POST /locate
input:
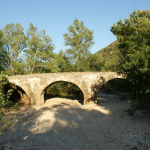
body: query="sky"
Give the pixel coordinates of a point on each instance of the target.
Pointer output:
(54, 16)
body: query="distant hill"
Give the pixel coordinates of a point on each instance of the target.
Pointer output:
(112, 56)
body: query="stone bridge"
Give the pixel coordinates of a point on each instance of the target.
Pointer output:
(34, 85)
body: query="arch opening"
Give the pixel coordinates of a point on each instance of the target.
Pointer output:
(117, 86)
(65, 90)
(18, 95)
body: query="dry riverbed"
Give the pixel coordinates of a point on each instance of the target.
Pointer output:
(63, 124)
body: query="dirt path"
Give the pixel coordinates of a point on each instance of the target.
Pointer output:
(66, 124)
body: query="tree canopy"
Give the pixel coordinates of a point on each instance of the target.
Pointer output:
(14, 43)
(80, 39)
(39, 51)
(134, 39)
(2, 53)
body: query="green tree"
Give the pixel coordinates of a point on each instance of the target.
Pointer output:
(80, 39)
(1, 35)
(4, 100)
(63, 62)
(112, 57)
(134, 39)
(39, 52)
(2, 53)
(14, 42)
(95, 62)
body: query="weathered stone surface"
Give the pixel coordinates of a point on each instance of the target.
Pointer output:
(89, 83)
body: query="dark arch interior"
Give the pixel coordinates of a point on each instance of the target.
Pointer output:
(116, 85)
(64, 89)
(18, 94)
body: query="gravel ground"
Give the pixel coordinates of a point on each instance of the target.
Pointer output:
(63, 124)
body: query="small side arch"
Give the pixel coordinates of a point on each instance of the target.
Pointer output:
(24, 89)
(19, 95)
(120, 84)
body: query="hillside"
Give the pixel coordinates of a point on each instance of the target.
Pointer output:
(112, 56)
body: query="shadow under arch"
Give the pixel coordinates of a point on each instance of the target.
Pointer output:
(19, 95)
(119, 84)
(63, 89)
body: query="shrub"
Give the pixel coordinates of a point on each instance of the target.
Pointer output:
(4, 100)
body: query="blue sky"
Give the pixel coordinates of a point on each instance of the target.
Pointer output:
(54, 16)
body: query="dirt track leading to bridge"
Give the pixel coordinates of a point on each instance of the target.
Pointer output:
(66, 124)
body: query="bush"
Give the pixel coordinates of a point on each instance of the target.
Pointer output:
(4, 100)
(140, 81)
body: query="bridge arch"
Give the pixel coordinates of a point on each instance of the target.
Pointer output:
(18, 94)
(25, 89)
(116, 81)
(42, 92)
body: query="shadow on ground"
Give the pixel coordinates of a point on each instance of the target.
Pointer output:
(64, 126)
